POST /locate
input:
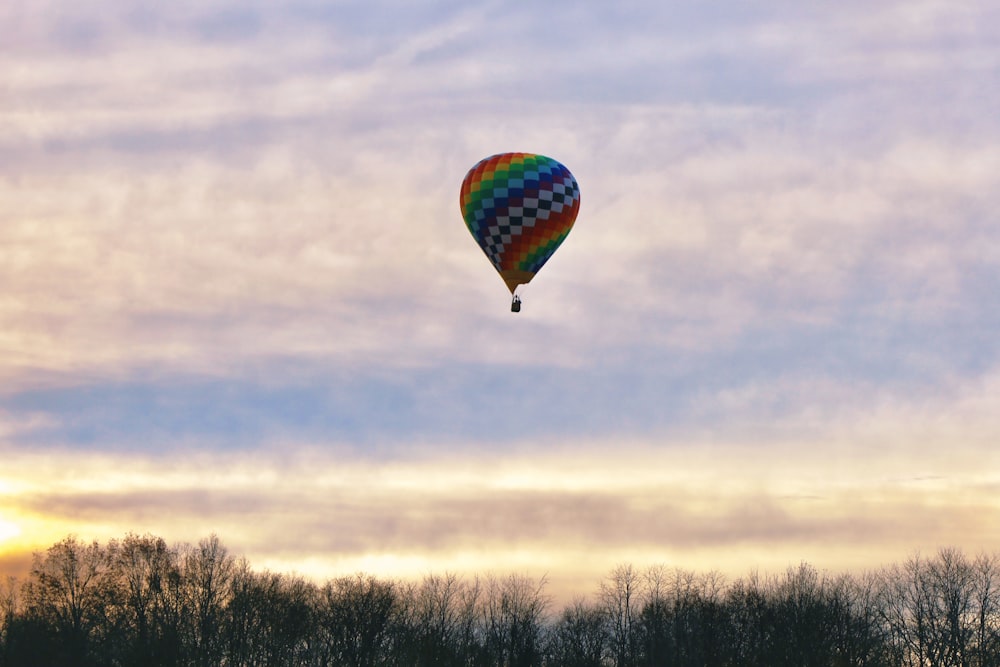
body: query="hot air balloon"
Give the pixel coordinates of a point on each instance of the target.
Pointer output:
(519, 208)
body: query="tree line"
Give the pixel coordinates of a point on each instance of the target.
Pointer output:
(139, 602)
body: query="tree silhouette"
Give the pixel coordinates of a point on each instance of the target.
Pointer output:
(581, 636)
(65, 599)
(513, 610)
(207, 572)
(619, 595)
(358, 617)
(144, 582)
(138, 601)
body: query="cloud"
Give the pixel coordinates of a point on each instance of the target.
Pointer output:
(229, 238)
(844, 498)
(195, 266)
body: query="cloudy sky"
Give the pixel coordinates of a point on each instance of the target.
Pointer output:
(237, 295)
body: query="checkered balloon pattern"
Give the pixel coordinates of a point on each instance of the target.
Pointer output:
(519, 208)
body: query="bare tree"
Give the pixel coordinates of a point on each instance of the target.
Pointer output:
(145, 579)
(750, 617)
(442, 621)
(513, 609)
(64, 590)
(986, 590)
(9, 609)
(269, 619)
(620, 597)
(206, 574)
(580, 637)
(358, 617)
(681, 619)
(855, 620)
(243, 623)
(949, 589)
(929, 608)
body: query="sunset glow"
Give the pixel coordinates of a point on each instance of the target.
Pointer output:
(8, 530)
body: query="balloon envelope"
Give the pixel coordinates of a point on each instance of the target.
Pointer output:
(519, 208)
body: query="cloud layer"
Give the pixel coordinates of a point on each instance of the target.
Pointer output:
(233, 265)
(844, 499)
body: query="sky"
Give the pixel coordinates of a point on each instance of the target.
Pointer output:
(237, 296)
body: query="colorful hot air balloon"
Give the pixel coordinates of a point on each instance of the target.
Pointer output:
(519, 208)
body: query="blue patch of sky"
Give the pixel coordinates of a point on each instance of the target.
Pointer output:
(233, 23)
(79, 34)
(229, 138)
(645, 392)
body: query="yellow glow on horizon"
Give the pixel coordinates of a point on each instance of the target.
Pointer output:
(569, 513)
(8, 530)
(25, 533)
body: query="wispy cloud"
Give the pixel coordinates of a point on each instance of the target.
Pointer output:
(238, 296)
(841, 500)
